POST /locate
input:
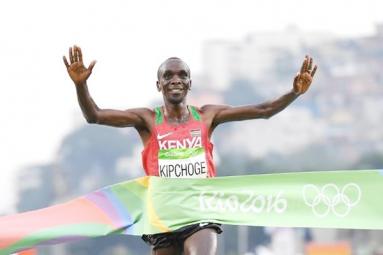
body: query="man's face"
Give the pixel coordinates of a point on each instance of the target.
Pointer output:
(174, 81)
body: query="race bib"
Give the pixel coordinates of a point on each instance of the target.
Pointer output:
(182, 163)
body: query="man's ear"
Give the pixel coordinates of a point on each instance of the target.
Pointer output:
(190, 84)
(158, 86)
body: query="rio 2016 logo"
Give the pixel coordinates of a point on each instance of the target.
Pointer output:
(331, 198)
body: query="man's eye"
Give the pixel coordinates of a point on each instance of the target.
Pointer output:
(184, 76)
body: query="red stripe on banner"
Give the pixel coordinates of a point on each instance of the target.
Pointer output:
(15, 227)
(28, 252)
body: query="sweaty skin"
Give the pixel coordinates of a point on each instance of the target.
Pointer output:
(174, 83)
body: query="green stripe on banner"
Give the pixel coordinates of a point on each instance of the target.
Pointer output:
(148, 205)
(339, 199)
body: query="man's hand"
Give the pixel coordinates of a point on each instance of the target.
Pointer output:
(76, 69)
(303, 79)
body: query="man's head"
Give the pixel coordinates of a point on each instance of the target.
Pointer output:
(174, 80)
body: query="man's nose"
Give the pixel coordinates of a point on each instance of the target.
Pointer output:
(175, 81)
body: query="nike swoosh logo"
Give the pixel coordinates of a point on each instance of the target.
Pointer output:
(159, 137)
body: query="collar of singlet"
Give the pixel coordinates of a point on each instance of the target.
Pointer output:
(160, 117)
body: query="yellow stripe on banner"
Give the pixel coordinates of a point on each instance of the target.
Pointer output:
(153, 217)
(144, 181)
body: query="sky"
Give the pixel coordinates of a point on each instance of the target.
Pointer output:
(129, 39)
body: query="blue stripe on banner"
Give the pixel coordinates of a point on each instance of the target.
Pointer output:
(124, 214)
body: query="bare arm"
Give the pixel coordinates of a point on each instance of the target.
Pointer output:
(302, 82)
(226, 113)
(92, 113)
(110, 117)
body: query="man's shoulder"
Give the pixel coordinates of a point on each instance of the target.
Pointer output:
(210, 112)
(212, 108)
(142, 112)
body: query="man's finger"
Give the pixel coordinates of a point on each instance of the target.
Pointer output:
(296, 78)
(310, 64)
(307, 58)
(75, 53)
(66, 62)
(314, 70)
(304, 65)
(91, 65)
(71, 55)
(79, 54)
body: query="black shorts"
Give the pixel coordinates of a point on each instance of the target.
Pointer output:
(178, 237)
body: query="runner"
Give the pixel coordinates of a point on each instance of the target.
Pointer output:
(176, 136)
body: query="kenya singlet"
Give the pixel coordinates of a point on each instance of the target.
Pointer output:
(179, 150)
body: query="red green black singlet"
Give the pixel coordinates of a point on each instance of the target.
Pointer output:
(179, 150)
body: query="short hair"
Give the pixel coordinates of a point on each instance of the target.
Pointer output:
(168, 60)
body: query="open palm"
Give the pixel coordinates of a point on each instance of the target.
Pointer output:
(76, 69)
(304, 78)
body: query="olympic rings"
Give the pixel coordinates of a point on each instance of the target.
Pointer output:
(331, 199)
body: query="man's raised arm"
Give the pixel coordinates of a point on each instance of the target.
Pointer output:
(92, 113)
(302, 82)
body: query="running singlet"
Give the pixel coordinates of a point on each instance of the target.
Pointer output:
(179, 151)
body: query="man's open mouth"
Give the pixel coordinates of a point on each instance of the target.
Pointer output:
(176, 90)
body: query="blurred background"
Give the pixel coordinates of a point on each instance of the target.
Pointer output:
(239, 52)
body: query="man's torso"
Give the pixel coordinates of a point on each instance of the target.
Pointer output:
(180, 150)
